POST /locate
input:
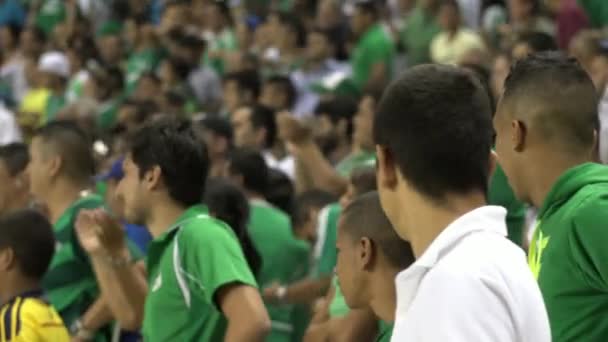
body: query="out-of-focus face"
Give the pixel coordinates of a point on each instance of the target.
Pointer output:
(213, 17)
(449, 18)
(6, 39)
(244, 133)
(232, 96)
(39, 169)
(363, 123)
(317, 47)
(132, 194)
(147, 89)
(174, 16)
(520, 9)
(326, 134)
(348, 269)
(29, 44)
(348, 196)
(272, 96)
(358, 22)
(13, 187)
(110, 49)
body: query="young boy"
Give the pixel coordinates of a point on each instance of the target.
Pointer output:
(26, 249)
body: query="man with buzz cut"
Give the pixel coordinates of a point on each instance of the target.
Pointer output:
(433, 134)
(200, 285)
(546, 126)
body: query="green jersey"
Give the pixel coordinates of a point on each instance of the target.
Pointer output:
(53, 105)
(327, 254)
(568, 254)
(284, 260)
(500, 193)
(354, 161)
(385, 331)
(375, 46)
(187, 266)
(417, 34)
(51, 13)
(138, 63)
(222, 42)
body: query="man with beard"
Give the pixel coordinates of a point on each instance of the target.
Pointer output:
(335, 126)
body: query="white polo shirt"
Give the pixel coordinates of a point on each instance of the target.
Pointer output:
(471, 284)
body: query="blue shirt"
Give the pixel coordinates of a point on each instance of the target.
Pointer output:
(11, 13)
(139, 235)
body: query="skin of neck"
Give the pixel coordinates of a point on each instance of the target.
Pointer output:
(431, 218)
(163, 214)
(383, 295)
(61, 195)
(15, 284)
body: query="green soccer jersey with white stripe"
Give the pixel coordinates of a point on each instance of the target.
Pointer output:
(187, 266)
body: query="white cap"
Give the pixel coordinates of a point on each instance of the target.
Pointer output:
(55, 63)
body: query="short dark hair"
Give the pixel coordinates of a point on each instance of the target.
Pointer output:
(174, 146)
(370, 7)
(538, 41)
(280, 191)
(250, 165)
(74, 146)
(363, 180)
(286, 86)
(246, 80)
(307, 201)
(180, 66)
(294, 24)
(364, 217)
(436, 122)
(30, 235)
(556, 92)
(264, 117)
(229, 204)
(338, 108)
(15, 157)
(218, 126)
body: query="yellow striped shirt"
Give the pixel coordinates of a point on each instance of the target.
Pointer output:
(29, 318)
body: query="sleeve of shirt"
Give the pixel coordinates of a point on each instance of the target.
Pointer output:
(212, 258)
(452, 306)
(588, 241)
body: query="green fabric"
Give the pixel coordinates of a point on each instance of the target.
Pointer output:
(300, 319)
(101, 188)
(354, 161)
(338, 306)
(108, 113)
(500, 193)
(376, 46)
(597, 11)
(225, 41)
(569, 251)
(284, 260)
(70, 282)
(51, 13)
(110, 28)
(138, 63)
(329, 220)
(187, 266)
(53, 105)
(417, 35)
(385, 331)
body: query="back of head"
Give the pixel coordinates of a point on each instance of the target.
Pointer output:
(365, 218)
(249, 165)
(435, 123)
(68, 141)
(220, 127)
(247, 81)
(286, 87)
(181, 155)
(554, 96)
(538, 41)
(264, 117)
(15, 157)
(280, 191)
(30, 236)
(338, 108)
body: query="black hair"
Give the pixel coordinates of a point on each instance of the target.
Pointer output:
(294, 24)
(435, 121)
(15, 32)
(227, 203)
(74, 146)
(219, 126)
(180, 67)
(280, 191)
(286, 86)
(538, 41)
(15, 157)
(307, 201)
(224, 9)
(264, 117)
(173, 146)
(250, 165)
(246, 80)
(339, 108)
(108, 77)
(365, 218)
(30, 235)
(483, 76)
(368, 6)
(555, 92)
(85, 47)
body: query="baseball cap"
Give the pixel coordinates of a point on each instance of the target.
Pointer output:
(114, 173)
(56, 63)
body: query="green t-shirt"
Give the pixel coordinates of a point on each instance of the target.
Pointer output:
(53, 105)
(108, 113)
(500, 193)
(187, 265)
(338, 307)
(417, 35)
(138, 63)
(569, 253)
(51, 13)
(375, 46)
(328, 224)
(224, 41)
(597, 10)
(385, 332)
(354, 161)
(284, 260)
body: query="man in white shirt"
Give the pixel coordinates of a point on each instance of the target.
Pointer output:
(9, 129)
(433, 135)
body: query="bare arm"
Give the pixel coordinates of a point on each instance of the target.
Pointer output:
(322, 173)
(97, 316)
(248, 320)
(377, 76)
(305, 291)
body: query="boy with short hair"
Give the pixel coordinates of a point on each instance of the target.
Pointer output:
(26, 249)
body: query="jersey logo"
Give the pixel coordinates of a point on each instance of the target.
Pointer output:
(539, 243)
(158, 282)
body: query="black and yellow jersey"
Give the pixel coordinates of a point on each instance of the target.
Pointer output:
(29, 318)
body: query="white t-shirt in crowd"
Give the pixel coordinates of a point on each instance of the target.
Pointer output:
(9, 129)
(451, 50)
(287, 165)
(471, 284)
